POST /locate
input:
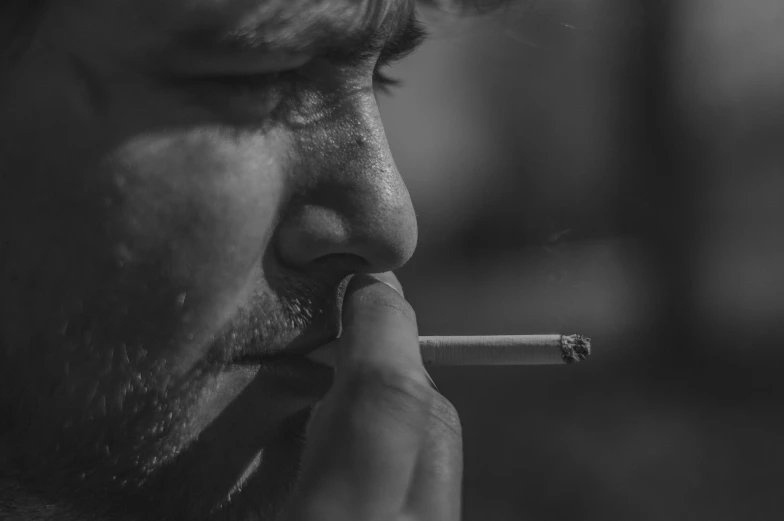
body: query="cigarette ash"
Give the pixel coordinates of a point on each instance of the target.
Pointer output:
(575, 348)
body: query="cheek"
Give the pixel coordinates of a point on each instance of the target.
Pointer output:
(192, 214)
(201, 204)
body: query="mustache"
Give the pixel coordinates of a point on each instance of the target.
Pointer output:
(283, 310)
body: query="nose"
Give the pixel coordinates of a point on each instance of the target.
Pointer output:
(349, 207)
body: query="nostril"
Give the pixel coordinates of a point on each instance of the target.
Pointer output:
(342, 263)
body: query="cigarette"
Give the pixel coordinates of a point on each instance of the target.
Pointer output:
(489, 350)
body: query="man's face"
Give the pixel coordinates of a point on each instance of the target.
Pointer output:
(186, 183)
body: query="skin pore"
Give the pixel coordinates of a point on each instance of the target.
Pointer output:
(184, 182)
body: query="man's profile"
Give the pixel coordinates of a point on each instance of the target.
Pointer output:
(186, 187)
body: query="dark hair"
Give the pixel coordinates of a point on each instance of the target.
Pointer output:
(466, 6)
(19, 20)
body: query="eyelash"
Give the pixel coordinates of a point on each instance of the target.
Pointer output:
(382, 82)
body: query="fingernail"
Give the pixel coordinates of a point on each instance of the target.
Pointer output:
(382, 281)
(431, 381)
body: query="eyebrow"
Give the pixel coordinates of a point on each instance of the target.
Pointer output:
(395, 37)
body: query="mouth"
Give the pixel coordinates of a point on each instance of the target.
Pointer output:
(293, 353)
(317, 335)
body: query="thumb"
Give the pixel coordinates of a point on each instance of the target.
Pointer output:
(365, 436)
(379, 327)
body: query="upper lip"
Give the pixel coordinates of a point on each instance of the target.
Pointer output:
(316, 335)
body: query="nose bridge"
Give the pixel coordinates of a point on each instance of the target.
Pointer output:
(349, 197)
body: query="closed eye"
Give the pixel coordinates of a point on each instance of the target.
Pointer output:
(403, 42)
(241, 83)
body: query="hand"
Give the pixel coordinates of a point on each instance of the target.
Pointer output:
(383, 444)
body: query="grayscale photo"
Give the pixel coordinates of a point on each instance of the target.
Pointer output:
(391, 260)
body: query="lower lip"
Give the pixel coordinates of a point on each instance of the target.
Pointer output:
(295, 375)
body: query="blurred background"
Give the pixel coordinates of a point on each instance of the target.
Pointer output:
(612, 168)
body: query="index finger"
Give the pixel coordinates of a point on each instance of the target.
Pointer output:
(366, 435)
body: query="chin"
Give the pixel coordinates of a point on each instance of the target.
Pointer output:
(269, 480)
(245, 444)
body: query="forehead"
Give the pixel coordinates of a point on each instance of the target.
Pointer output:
(252, 23)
